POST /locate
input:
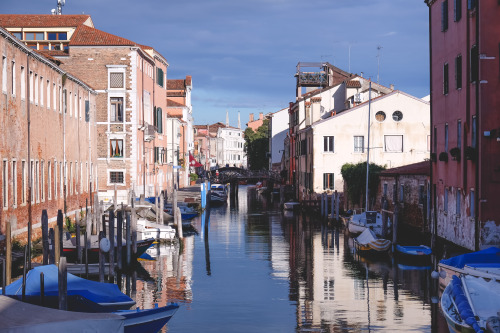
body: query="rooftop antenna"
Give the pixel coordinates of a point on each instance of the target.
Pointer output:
(60, 3)
(378, 63)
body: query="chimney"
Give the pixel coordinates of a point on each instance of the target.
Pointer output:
(261, 116)
(251, 117)
(361, 74)
(392, 87)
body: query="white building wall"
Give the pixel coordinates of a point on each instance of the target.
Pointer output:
(278, 122)
(414, 127)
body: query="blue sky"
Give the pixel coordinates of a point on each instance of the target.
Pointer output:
(243, 55)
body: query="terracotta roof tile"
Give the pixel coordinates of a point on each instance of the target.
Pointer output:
(42, 21)
(353, 84)
(172, 103)
(90, 36)
(175, 84)
(420, 168)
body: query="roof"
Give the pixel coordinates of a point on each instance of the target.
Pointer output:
(353, 84)
(44, 21)
(171, 103)
(420, 168)
(175, 84)
(85, 35)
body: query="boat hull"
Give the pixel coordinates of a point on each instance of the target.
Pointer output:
(148, 320)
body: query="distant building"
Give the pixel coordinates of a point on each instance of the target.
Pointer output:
(255, 123)
(465, 121)
(278, 129)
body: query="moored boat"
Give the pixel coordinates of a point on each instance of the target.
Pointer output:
(470, 304)
(367, 243)
(218, 194)
(147, 320)
(416, 254)
(358, 223)
(148, 230)
(187, 213)
(474, 263)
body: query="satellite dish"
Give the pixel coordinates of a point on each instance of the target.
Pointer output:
(104, 245)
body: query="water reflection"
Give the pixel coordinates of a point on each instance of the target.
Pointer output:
(253, 269)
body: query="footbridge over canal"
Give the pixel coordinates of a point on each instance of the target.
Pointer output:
(234, 176)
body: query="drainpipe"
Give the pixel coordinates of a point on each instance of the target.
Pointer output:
(30, 180)
(477, 216)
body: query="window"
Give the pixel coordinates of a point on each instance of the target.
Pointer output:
(42, 90)
(459, 197)
(87, 111)
(55, 179)
(14, 183)
(328, 181)
(23, 83)
(472, 210)
(70, 180)
(23, 180)
(473, 132)
(445, 208)
(159, 76)
(359, 144)
(380, 116)
(385, 190)
(63, 180)
(33, 36)
(49, 181)
(54, 96)
(471, 4)
(57, 36)
(401, 193)
(35, 88)
(18, 35)
(474, 64)
(444, 15)
(115, 148)
(48, 94)
(116, 114)
(5, 184)
(158, 119)
(116, 80)
(37, 181)
(42, 180)
(4, 74)
(445, 79)
(394, 193)
(13, 72)
(421, 194)
(31, 86)
(446, 137)
(397, 115)
(116, 177)
(393, 143)
(328, 144)
(457, 10)
(458, 72)
(459, 134)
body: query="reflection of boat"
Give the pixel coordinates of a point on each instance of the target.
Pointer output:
(146, 230)
(471, 304)
(107, 295)
(474, 263)
(70, 251)
(367, 243)
(218, 194)
(358, 223)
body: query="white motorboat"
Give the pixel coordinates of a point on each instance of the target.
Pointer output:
(218, 194)
(291, 205)
(146, 229)
(358, 223)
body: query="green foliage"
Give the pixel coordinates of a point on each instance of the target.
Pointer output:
(257, 147)
(193, 177)
(355, 180)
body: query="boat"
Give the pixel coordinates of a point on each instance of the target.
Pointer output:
(291, 205)
(20, 317)
(474, 263)
(147, 320)
(471, 304)
(218, 194)
(416, 254)
(367, 243)
(70, 250)
(148, 230)
(106, 295)
(358, 223)
(187, 213)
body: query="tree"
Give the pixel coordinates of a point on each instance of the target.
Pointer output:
(257, 147)
(355, 180)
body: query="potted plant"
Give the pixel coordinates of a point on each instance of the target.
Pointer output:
(193, 177)
(443, 156)
(455, 153)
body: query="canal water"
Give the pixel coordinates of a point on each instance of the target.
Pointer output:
(249, 268)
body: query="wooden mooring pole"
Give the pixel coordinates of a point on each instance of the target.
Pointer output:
(45, 237)
(63, 285)
(8, 253)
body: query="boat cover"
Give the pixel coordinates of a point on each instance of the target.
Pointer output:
(368, 238)
(463, 305)
(92, 290)
(489, 255)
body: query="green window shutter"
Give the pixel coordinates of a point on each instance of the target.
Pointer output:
(159, 120)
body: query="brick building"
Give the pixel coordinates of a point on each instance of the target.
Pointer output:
(465, 122)
(130, 79)
(48, 138)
